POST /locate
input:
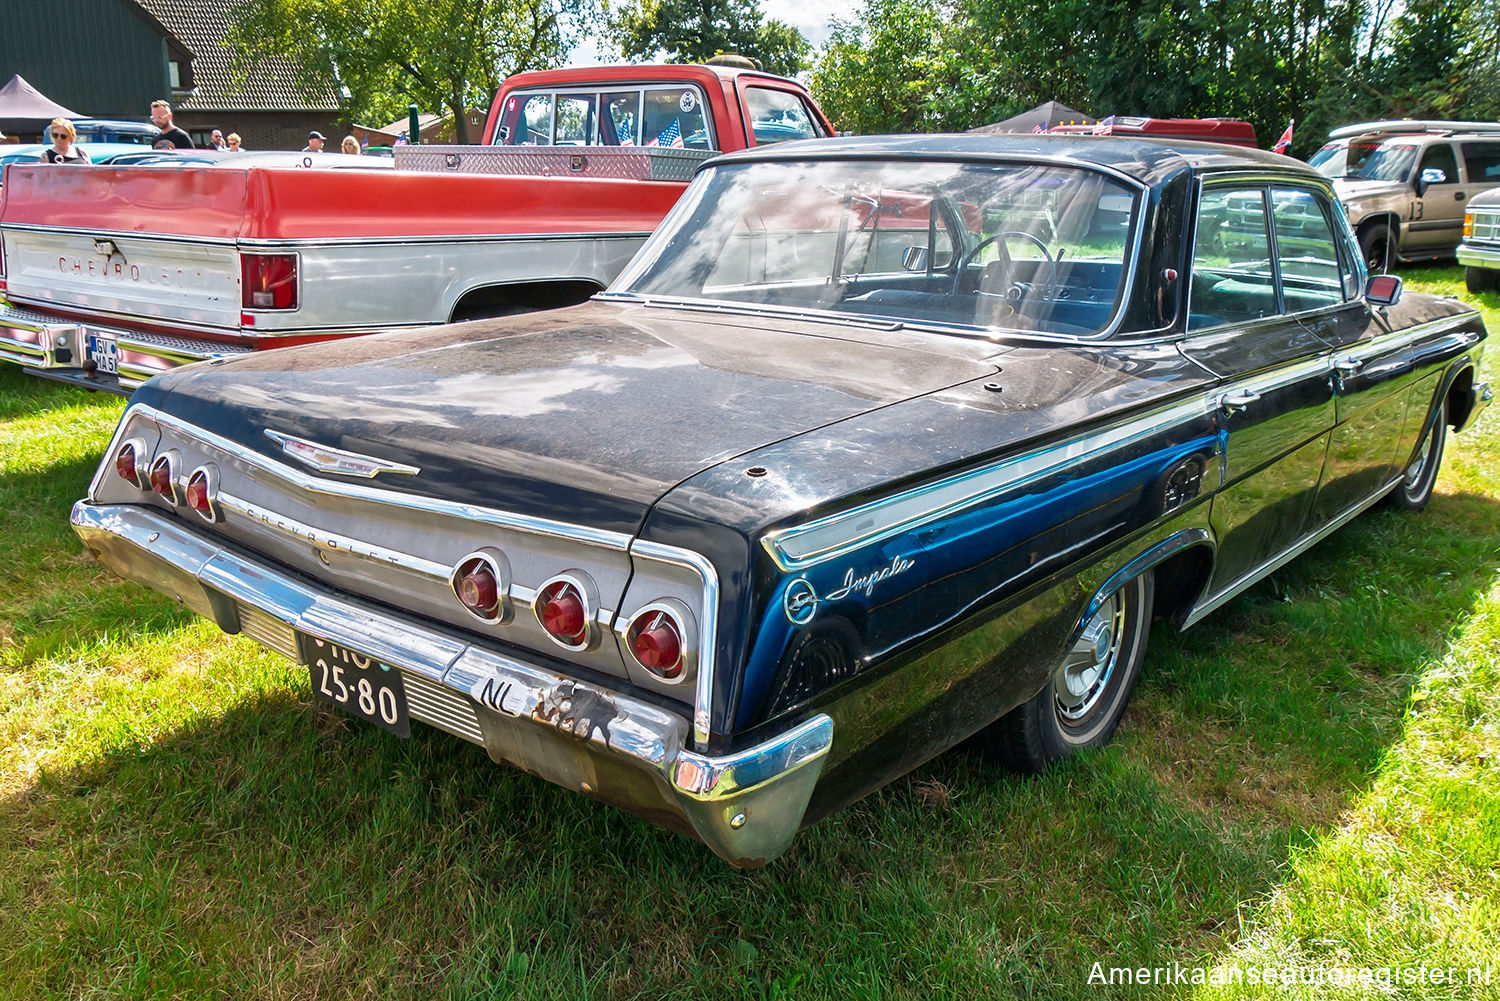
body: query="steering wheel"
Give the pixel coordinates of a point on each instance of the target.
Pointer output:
(998, 240)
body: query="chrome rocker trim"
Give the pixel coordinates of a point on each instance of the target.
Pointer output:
(745, 806)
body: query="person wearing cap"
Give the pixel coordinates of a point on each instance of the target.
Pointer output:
(314, 142)
(171, 136)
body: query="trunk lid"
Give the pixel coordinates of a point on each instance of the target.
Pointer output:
(586, 415)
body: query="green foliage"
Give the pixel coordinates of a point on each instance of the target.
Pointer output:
(381, 55)
(884, 71)
(694, 31)
(903, 66)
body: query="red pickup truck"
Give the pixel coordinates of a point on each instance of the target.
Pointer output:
(115, 274)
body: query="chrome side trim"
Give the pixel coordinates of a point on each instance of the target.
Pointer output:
(1213, 601)
(1170, 546)
(373, 495)
(804, 545)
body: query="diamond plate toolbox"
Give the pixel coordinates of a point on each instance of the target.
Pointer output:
(637, 163)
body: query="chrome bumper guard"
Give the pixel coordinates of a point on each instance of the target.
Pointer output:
(745, 806)
(40, 340)
(1475, 256)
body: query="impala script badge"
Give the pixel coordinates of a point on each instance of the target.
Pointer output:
(336, 460)
(800, 600)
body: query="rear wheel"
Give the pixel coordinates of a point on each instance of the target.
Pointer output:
(1375, 245)
(1415, 488)
(1479, 280)
(1082, 705)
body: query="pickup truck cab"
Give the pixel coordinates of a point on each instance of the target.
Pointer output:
(116, 274)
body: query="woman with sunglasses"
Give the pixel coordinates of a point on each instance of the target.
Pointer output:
(63, 150)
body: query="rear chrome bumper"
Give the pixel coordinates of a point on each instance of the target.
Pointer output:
(42, 341)
(745, 806)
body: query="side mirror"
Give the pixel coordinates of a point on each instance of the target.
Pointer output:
(1431, 176)
(1383, 290)
(915, 258)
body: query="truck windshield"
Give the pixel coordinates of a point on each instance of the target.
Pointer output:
(1377, 161)
(1015, 246)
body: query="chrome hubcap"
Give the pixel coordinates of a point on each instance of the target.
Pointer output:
(1080, 682)
(1414, 471)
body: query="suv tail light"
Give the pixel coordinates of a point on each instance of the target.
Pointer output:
(268, 281)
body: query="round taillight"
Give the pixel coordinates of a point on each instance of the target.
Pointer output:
(161, 479)
(563, 612)
(656, 641)
(197, 493)
(481, 583)
(127, 464)
(662, 638)
(479, 591)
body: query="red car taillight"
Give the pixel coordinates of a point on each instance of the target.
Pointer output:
(128, 463)
(661, 638)
(268, 281)
(564, 609)
(164, 478)
(481, 582)
(199, 494)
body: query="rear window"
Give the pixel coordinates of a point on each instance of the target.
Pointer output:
(650, 115)
(777, 115)
(1483, 161)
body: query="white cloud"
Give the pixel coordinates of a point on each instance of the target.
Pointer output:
(811, 16)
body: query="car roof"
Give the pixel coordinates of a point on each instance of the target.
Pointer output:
(1146, 160)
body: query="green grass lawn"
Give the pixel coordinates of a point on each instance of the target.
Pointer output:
(1306, 781)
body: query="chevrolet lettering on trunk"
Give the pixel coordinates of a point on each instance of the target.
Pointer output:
(878, 445)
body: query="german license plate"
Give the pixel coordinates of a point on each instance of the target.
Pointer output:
(102, 353)
(359, 685)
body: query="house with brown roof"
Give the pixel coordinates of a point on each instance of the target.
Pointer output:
(264, 106)
(112, 58)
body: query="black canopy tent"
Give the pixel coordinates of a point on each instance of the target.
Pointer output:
(26, 110)
(1047, 115)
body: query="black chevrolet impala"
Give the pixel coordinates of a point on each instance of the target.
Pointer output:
(878, 444)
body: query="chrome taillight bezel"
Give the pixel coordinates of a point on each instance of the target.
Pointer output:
(499, 567)
(588, 594)
(687, 632)
(210, 474)
(138, 448)
(171, 460)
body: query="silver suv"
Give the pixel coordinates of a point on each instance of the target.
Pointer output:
(1405, 184)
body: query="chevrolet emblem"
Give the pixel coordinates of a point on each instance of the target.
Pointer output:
(335, 460)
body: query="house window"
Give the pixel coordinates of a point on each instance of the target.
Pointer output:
(174, 74)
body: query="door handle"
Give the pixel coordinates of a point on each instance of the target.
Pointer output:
(1348, 365)
(1458, 196)
(1239, 400)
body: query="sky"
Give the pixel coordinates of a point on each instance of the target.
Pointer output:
(808, 16)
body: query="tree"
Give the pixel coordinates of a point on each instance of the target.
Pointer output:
(693, 31)
(884, 70)
(380, 55)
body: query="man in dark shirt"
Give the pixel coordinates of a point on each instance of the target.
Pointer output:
(171, 136)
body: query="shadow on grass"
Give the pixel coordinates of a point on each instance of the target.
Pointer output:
(53, 595)
(276, 850)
